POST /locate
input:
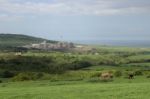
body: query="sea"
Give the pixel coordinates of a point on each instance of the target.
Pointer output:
(127, 43)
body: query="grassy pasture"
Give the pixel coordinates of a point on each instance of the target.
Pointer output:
(79, 83)
(119, 89)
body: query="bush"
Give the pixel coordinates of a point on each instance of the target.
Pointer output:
(39, 75)
(27, 76)
(78, 64)
(117, 73)
(1, 81)
(96, 75)
(148, 76)
(23, 77)
(138, 73)
(7, 74)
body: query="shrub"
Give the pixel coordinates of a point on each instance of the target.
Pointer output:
(148, 76)
(39, 75)
(138, 73)
(78, 64)
(22, 77)
(1, 81)
(7, 74)
(96, 75)
(27, 76)
(117, 73)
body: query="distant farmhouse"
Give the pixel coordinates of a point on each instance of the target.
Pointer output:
(51, 46)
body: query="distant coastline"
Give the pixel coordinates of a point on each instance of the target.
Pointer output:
(128, 43)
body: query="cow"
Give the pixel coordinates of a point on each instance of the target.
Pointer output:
(106, 76)
(130, 75)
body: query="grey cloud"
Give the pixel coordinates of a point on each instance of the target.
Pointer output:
(75, 7)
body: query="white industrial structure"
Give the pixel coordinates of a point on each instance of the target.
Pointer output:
(51, 46)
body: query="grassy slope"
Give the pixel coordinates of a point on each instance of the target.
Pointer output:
(75, 90)
(13, 40)
(120, 88)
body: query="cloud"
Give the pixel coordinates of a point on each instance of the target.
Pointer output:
(74, 7)
(6, 17)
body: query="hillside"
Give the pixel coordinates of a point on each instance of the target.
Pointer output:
(16, 40)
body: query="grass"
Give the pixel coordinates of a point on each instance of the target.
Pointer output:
(139, 58)
(120, 89)
(77, 84)
(125, 67)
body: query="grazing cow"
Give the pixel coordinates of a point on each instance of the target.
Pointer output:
(106, 76)
(131, 76)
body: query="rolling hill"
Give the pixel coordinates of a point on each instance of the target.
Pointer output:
(17, 40)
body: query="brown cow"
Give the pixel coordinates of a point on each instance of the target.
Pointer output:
(106, 76)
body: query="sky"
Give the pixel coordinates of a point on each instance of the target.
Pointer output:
(73, 20)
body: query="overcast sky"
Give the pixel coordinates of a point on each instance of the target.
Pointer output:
(77, 19)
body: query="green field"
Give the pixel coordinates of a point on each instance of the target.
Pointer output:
(120, 89)
(75, 75)
(79, 85)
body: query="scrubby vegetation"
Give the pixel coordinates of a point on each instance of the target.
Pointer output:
(41, 74)
(119, 61)
(99, 72)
